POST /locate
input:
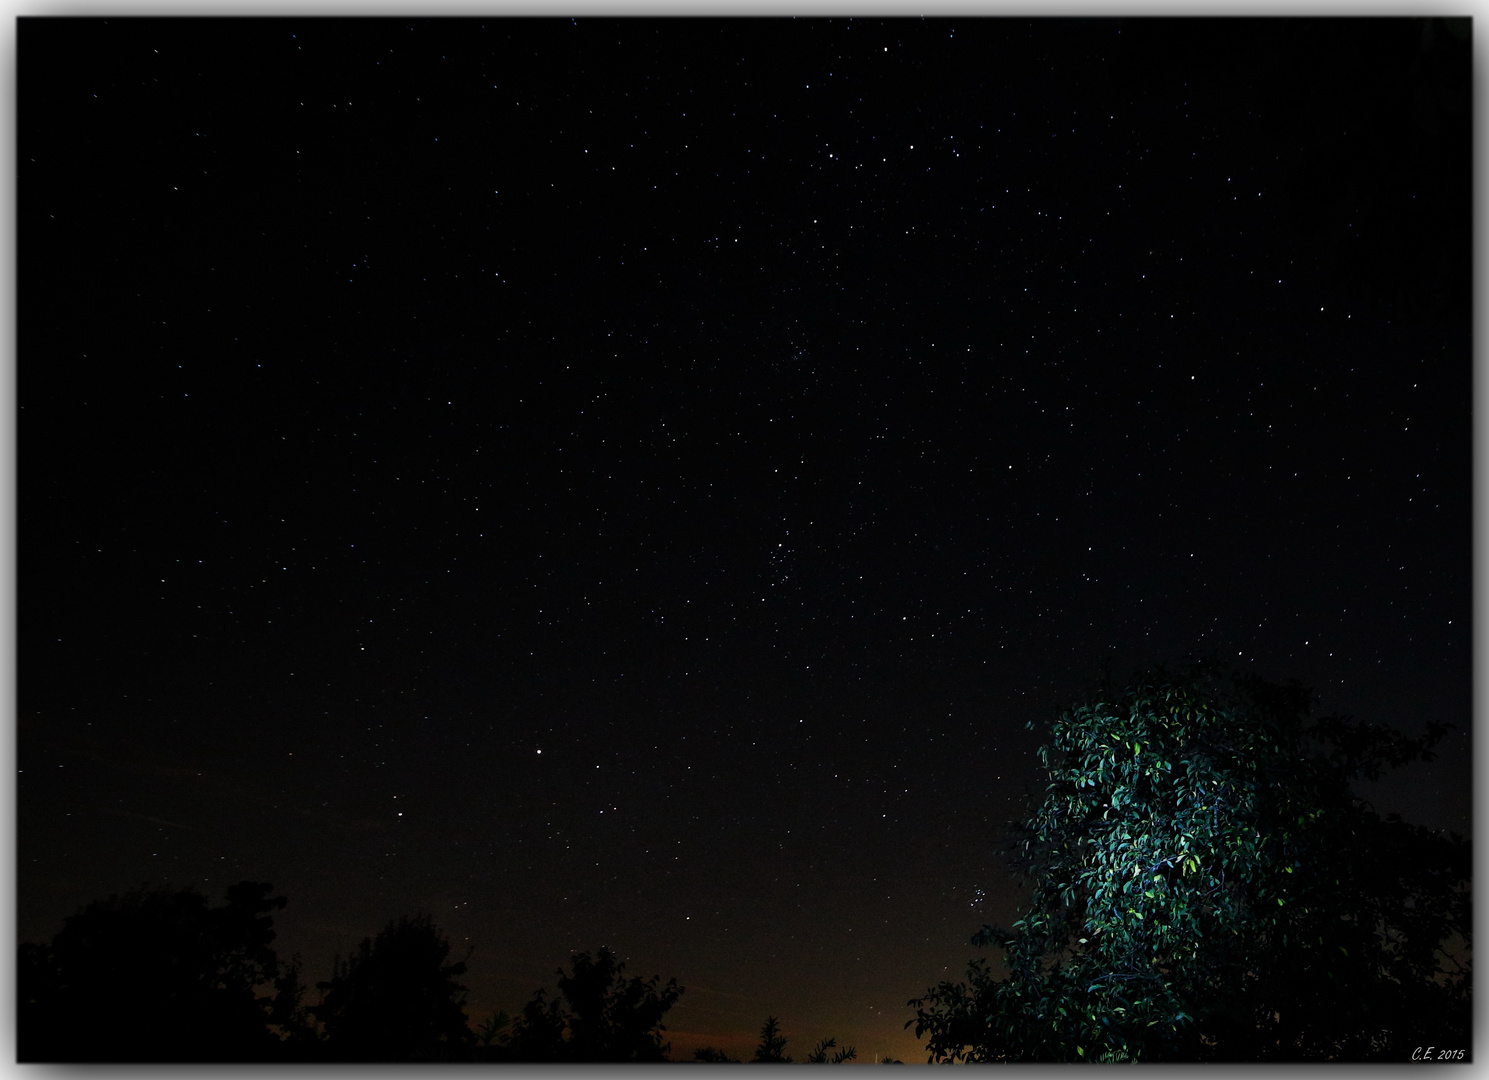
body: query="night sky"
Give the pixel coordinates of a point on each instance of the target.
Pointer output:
(629, 482)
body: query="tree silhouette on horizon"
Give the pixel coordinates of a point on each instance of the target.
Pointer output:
(154, 975)
(599, 1016)
(772, 1046)
(396, 998)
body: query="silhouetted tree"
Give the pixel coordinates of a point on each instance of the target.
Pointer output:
(396, 999)
(772, 1043)
(603, 1016)
(291, 1017)
(154, 976)
(492, 1037)
(538, 1033)
(1206, 886)
(772, 1048)
(818, 1056)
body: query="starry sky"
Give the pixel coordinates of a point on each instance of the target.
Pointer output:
(630, 482)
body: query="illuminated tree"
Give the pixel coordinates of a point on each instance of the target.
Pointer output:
(1206, 886)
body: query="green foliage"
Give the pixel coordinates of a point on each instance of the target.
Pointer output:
(396, 999)
(603, 1016)
(1205, 886)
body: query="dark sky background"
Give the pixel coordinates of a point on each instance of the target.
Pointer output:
(627, 482)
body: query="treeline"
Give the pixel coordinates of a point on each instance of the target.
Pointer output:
(1206, 885)
(162, 976)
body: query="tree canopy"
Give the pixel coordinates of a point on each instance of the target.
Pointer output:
(159, 975)
(397, 998)
(1207, 886)
(154, 975)
(601, 1015)
(772, 1045)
